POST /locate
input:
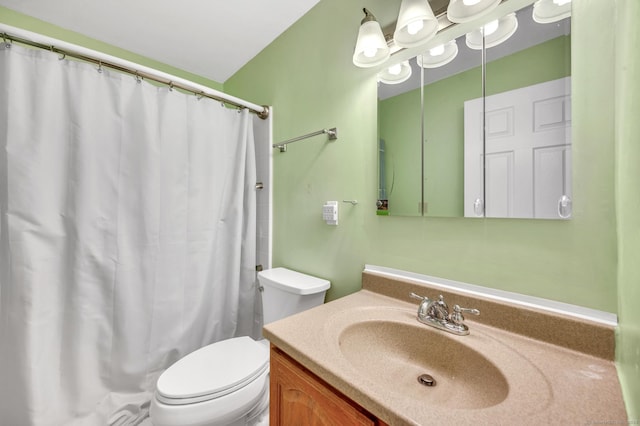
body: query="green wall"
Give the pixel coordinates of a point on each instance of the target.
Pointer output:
(307, 75)
(399, 125)
(627, 78)
(19, 20)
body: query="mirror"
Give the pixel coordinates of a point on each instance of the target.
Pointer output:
(519, 166)
(399, 135)
(446, 90)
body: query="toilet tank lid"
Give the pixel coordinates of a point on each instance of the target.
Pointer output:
(292, 281)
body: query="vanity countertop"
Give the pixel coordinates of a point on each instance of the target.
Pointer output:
(552, 378)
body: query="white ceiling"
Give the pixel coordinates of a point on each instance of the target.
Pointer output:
(210, 38)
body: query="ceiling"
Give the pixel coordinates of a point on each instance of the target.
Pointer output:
(210, 38)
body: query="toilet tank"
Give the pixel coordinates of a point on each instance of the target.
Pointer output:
(286, 292)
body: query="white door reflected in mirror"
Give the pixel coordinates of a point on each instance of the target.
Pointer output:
(527, 152)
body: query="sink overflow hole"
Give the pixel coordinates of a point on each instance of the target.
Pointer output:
(427, 380)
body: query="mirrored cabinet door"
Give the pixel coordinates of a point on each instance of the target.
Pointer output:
(451, 76)
(399, 135)
(525, 170)
(480, 125)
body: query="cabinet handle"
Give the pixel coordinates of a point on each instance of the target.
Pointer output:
(478, 207)
(565, 207)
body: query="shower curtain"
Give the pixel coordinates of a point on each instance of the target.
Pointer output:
(127, 237)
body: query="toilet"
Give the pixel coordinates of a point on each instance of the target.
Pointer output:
(227, 382)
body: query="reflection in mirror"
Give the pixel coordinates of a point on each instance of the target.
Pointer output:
(399, 146)
(444, 174)
(447, 86)
(522, 167)
(428, 180)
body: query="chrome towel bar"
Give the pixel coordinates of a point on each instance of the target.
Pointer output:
(333, 135)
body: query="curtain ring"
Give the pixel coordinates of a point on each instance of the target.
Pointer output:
(62, 58)
(100, 67)
(7, 44)
(52, 48)
(199, 95)
(138, 78)
(171, 86)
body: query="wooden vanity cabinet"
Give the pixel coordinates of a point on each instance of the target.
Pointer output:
(299, 397)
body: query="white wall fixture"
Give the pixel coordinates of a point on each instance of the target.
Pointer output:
(548, 11)
(495, 32)
(439, 55)
(371, 47)
(466, 10)
(395, 74)
(330, 212)
(416, 23)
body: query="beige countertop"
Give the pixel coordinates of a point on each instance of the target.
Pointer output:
(550, 378)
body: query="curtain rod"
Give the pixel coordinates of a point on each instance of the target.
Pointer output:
(29, 38)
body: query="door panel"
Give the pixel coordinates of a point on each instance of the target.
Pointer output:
(532, 125)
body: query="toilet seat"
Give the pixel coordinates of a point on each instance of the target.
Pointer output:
(233, 409)
(213, 371)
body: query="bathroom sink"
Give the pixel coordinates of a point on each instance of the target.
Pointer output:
(388, 351)
(371, 349)
(400, 353)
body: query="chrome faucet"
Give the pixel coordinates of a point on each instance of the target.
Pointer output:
(436, 314)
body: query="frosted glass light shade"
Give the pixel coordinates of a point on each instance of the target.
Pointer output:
(371, 47)
(548, 11)
(416, 23)
(460, 12)
(507, 26)
(395, 74)
(431, 60)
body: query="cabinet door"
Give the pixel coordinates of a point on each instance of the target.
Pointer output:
(300, 398)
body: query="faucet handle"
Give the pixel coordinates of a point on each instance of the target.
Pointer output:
(457, 317)
(424, 304)
(458, 309)
(417, 296)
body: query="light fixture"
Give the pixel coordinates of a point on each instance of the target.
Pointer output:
(395, 74)
(466, 10)
(439, 55)
(416, 23)
(548, 11)
(371, 47)
(494, 32)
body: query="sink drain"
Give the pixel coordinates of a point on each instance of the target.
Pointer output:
(427, 380)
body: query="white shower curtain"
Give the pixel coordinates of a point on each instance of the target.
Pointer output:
(127, 237)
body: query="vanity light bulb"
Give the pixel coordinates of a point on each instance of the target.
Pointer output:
(395, 69)
(437, 51)
(370, 52)
(490, 28)
(415, 26)
(470, 2)
(561, 2)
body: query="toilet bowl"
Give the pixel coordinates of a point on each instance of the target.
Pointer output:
(227, 382)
